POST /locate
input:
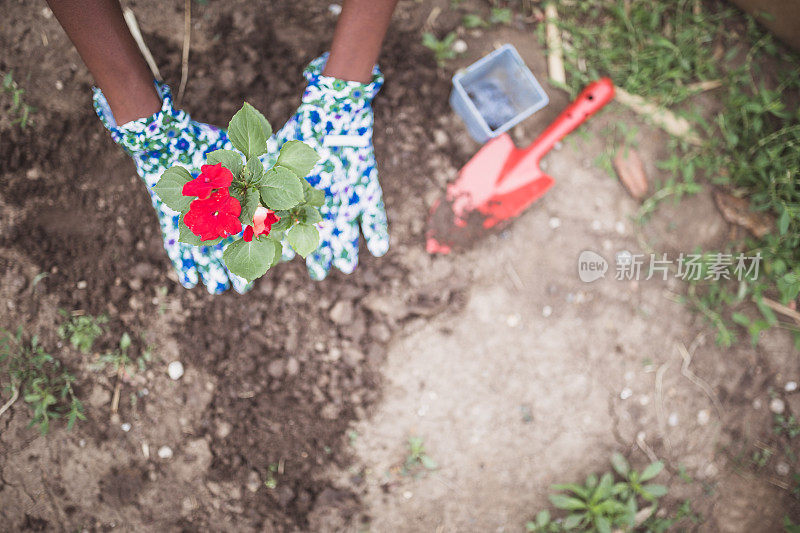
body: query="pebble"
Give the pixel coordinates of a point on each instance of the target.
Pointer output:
(620, 227)
(253, 481)
(125, 427)
(596, 225)
(59, 85)
(703, 416)
(782, 469)
(790, 386)
(408, 495)
(513, 320)
(440, 138)
(292, 366)
(335, 9)
(175, 370)
(135, 284)
(673, 419)
(82, 284)
(625, 393)
(547, 311)
(756, 404)
(276, 368)
(460, 46)
(33, 173)
(342, 312)
(777, 406)
(224, 429)
(554, 222)
(165, 452)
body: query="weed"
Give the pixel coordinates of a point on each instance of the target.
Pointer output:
(417, 457)
(786, 425)
(442, 49)
(272, 481)
(40, 379)
(121, 364)
(789, 526)
(18, 107)
(81, 330)
(500, 15)
(472, 21)
(603, 504)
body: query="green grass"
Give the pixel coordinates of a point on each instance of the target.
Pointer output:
(442, 48)
(40, 379)
(417, 458)
(660, 50)
(81, 330)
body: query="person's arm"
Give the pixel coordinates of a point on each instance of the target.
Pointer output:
(357, 39)
(99, 33)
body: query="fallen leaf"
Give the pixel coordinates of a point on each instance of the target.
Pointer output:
(630, 170)
(737, 211)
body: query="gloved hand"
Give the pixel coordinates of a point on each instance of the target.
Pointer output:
(156, 143)
(335, 118)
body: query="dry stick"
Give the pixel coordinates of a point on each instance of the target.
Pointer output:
(130, 19)
(782, 309)
(9, 403)
(117, 387)
(555, 57)
(688, 374)
(663, 118)
(660, 401)
(640, 442)
(187, 32)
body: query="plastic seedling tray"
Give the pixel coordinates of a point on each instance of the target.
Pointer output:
(495, 93)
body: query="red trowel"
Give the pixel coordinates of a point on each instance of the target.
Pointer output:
(501, 180)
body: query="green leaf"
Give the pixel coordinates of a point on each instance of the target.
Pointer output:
(603, 524)
(620, 464)
(573, 521)
(170, 188)
(249, 205)
(309, 215)
(298, 157)
(313, 197)
(428, 463)
(567, 502)
(249, 130)
(255, 171)
(250, 260)
(303, 238)
(542, 518)
(573, 487)
(654, 491)
(229, 159)
(281, 189)
(783, 222)
(283, 224)
(185, 235)
(652, 470)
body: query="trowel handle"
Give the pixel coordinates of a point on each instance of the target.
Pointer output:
(592, 98)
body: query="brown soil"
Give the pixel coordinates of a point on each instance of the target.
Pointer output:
(314, 387)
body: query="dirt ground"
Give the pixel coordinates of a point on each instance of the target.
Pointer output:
(515, 373)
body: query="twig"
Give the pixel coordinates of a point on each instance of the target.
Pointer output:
(661, 117)
(640, 442)
(130, 19)
(187, 32)
(660, 400)
(555, 56)
(688, 374)
(9, 403)
(782, 309)
(117, 387)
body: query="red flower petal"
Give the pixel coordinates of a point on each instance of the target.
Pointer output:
(248, 234)
(215, 216)
(211, 177)
(198, 188)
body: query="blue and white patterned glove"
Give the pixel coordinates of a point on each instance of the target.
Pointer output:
(170, 137)
(335, 118)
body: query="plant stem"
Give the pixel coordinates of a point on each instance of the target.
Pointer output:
(10, 402)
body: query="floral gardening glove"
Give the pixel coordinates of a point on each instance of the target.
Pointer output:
(335, 118)
(156, 143)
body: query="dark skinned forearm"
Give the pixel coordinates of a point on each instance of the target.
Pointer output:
(358, 37)
(99, 33)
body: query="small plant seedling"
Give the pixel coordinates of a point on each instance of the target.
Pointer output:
(472, 21)
(417, 457)
(442, 49)
(500, 15)
(81, 330)
(40, 379)
(17, 107)
(121, 364)
(786, 425)
(271, 482)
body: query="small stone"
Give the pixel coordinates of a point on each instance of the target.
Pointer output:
(33, 173)
(175, 370)
(253, 481)
(790, 386)
(782, 469)
(47, 12)
(703, 416)
(165, 452)
(342, 312)
(757, 403)
(777, 406)
(125, 427)
(554, 222)
(440, 138)
(625, 393)
(82, 284)
(330, 412)
(276, 368)
(224, 429)
(335, 9)
(672, 420)
(292, 366)
(408, 495)
(596, 225)
(135, 284)
(59, 85)
(460, 46)
(513, 320)
(620, 227)
(547, 311)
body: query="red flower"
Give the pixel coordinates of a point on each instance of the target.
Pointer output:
(263, 220)
(215, 216)
(211, 177)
